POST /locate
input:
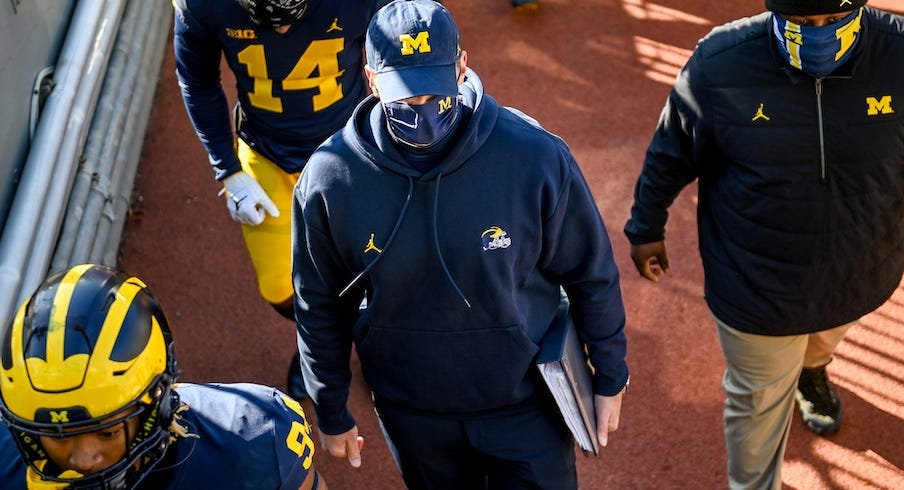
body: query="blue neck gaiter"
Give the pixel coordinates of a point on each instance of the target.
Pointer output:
(818, 51)
(421, 126)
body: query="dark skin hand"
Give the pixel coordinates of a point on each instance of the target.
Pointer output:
(651, 259)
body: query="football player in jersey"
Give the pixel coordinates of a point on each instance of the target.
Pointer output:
(299, 75)
(88, 396)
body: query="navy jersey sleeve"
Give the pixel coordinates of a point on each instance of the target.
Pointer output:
(197, 53)
(324, 319)
(673, 157)
(293, 443)
(245, 436)
(585, 267)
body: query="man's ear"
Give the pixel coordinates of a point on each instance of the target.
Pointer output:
(463, 66)
(371, 80)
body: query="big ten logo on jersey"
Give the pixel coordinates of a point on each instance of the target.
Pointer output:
(246, 34)
(420, 42)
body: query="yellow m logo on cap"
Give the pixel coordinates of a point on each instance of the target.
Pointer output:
(420, 43)
(879, 106)
(60, 417)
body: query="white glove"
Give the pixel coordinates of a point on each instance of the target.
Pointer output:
(246, 200)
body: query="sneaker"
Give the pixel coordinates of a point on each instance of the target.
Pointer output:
(295, 381)
(818, 401)
(524, 5)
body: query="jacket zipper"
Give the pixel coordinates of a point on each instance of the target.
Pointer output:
(822, 136)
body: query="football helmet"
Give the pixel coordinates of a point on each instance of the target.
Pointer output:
(89, 349)
(274, 13)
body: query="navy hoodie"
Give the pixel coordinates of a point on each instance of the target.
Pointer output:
(461, 265)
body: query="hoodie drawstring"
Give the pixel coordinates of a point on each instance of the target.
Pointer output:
(395, 230)
(392, 235)
(439, 252)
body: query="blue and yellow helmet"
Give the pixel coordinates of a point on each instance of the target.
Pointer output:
(91, 344)
(274, 13)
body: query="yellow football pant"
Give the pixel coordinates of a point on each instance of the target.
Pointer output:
(270, 243)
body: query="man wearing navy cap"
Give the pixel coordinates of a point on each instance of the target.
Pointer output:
(459, 220)
(791, 122)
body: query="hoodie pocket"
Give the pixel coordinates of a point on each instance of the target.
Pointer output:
(456, 371)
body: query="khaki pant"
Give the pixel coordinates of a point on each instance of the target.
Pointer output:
(760, 381)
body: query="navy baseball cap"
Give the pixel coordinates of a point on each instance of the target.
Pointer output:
(412, 45)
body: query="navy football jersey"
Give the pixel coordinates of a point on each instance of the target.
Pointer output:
(295, 89)
(248, 437)
(12, 468)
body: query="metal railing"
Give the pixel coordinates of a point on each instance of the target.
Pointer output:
(72, 200)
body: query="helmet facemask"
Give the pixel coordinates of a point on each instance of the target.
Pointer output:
(275, 13)
(144, 447)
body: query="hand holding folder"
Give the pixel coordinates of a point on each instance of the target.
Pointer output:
(562, 361)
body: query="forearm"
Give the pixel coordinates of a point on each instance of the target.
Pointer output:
(599, 314)
(208, 111)
(675, 157)
(325, 354)
(197, 54)
(324, 320)
(587, 271)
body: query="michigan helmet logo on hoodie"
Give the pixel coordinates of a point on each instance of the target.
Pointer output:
(495, 237)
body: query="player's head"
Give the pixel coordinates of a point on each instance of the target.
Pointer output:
(413, 50)
(274, 13)
(86, 373)
(813, 7)
(814, 12)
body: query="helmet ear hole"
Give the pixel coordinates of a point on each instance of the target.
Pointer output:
(169, 402)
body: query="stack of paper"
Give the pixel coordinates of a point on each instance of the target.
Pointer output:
(562, 362)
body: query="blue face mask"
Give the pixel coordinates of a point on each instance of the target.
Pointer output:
(422, 126)
(818, 51)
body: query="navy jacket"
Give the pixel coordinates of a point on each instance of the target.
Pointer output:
(461, 265)
(801, 181)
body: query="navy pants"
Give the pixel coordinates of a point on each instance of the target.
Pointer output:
(524, 446)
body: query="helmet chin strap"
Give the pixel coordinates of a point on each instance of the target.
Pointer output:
(33, 480)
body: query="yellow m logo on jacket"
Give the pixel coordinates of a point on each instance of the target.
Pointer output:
(420, 43)
(879, 106)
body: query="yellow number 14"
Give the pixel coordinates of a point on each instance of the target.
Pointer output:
(321, 57)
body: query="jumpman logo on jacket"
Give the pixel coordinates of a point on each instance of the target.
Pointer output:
(371, 245)
(334, 26)
(760, 114)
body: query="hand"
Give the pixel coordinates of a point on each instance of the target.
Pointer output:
(345, 445)
(608, 411)
(651, 259)
(247, 201)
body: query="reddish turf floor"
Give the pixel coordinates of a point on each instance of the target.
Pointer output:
(597, 73)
